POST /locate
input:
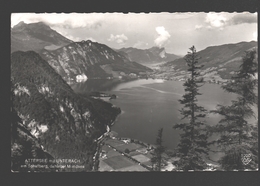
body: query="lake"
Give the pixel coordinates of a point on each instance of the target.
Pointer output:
(148, 105)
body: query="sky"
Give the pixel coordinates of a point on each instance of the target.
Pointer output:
(176, 32)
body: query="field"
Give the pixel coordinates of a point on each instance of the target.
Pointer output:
(104, 167)
(112, 153)
(133, 153)
(114, 142)
(133, 168)
(118, 162)
(130, 146)
(106, 148)
(141, 158)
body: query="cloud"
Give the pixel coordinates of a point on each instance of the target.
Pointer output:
(243, 18)
(215, 20)
(221, 20)
(120, 39)
(140, 44)
(163, 36)
(71, 20)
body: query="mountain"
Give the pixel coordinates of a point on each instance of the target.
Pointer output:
(36, 36)
(91, 60)
(24, 146)
(148, 56)
(220, 62)
(51, 117)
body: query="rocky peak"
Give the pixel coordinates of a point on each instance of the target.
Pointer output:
(19, 27)
(162, 54)
(151, 55)
(20, 24)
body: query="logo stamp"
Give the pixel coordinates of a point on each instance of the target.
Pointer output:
(246, 158)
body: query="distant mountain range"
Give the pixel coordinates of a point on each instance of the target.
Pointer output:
(50, 116)
(219, 61)
(36, 36)
(147, 56)
(85, 59)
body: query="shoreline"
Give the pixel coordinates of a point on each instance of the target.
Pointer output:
(99, 141)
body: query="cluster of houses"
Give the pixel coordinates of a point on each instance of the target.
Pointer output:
(131, 75)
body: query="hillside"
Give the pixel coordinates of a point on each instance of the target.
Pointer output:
(91, 60)
(36, 36)
(53, 118)
(148, 56)
(24, 145)
(220, 62)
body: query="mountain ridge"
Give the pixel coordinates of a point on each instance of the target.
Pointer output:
(35, 36)
(219, 62)
(74, 61)
(92, 59)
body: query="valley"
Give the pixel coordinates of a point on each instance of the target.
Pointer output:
(102, 106)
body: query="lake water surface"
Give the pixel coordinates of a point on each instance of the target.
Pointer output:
(148, 105)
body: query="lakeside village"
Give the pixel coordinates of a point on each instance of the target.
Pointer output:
(125, 154)
(210, 75)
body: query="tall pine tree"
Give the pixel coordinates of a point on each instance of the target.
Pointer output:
(157, 159)
(238, 137)
(193, 145)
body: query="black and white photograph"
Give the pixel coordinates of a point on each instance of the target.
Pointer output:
(134, 92)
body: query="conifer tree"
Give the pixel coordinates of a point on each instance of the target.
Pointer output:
(193, 145)
(238, 137)
(157, 159)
